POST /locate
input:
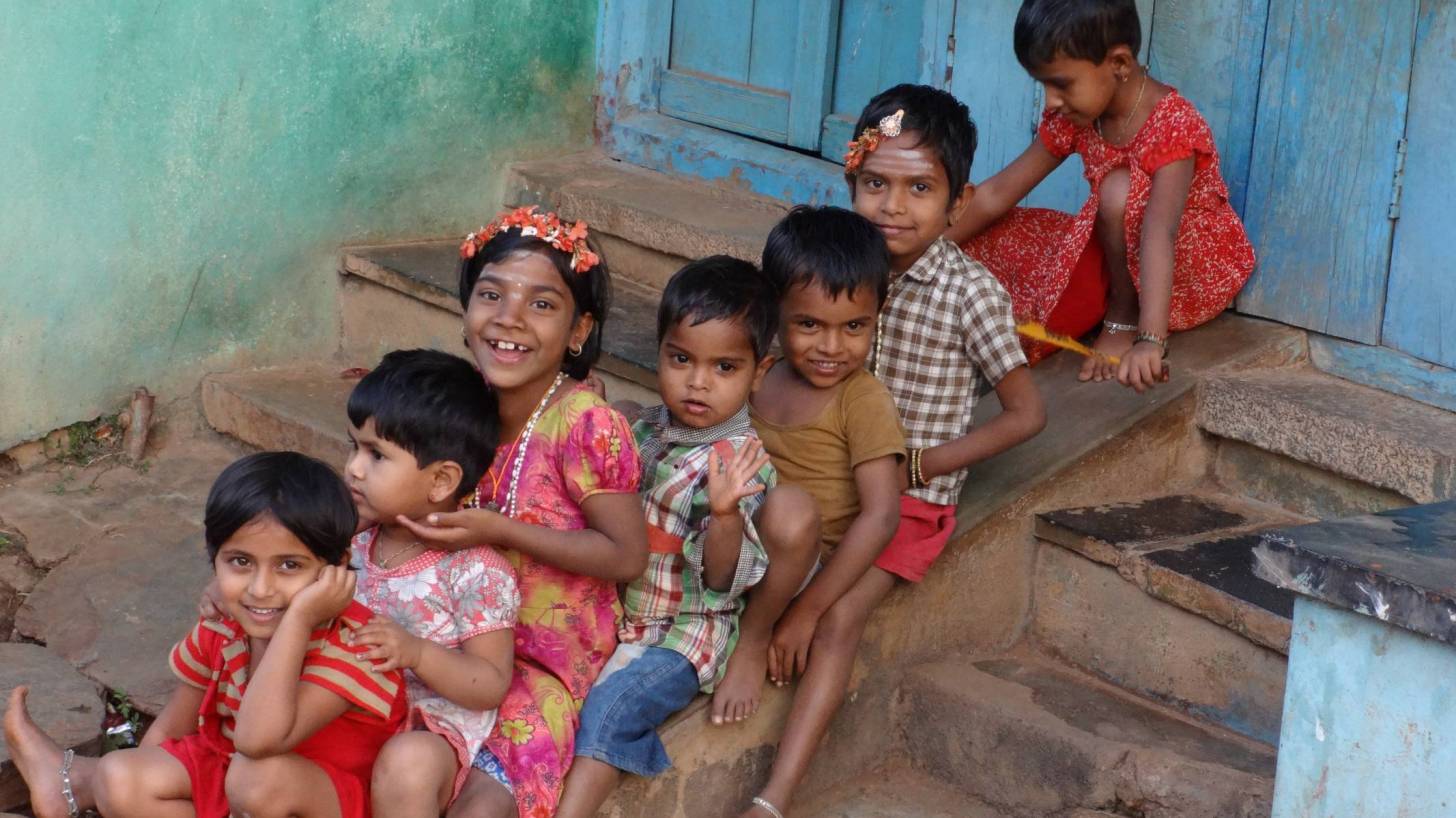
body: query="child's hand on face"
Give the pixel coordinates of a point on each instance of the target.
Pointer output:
(326, 597)
(728, 482)
(456, 529)
(391, 646)
(1142, 367)
(788, 652)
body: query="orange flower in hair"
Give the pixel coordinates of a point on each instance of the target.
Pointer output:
(888, 128)
(547, 227)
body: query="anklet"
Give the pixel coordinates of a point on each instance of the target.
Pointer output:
(764, 805)
(1113, 326)
(73, 809)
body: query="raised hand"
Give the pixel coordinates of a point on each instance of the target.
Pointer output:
(728, 483)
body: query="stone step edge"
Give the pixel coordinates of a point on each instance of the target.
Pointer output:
(1262, 627)
(661, 229)
(355, 261)
(1135, 773)
(1354, 431)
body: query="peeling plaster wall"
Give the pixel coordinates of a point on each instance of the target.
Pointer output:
(176, 177)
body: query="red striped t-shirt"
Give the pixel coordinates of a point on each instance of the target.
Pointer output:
(215, 656)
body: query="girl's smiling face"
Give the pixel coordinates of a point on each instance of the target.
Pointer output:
(259, 570)
(521, 322)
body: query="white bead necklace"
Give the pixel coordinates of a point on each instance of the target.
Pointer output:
(520, 454)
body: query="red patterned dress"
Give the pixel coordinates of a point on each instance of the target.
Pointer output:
(1050, 261)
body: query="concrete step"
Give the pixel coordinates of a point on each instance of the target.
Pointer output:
(898, 792)
(302, 408)
(1159, 597)
(398, 296)
(1036, 739)
(649, 224)
(1403, 449)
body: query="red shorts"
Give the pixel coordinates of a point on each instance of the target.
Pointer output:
(924, 530)
(207, 768)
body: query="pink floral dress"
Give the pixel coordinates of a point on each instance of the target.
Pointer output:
(567, 626)
(446, 597)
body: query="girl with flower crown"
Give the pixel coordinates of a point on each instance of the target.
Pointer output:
(560, 500)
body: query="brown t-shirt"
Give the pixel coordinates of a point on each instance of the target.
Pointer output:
(857, 425)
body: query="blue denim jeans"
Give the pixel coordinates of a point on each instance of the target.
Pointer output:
(637, 691)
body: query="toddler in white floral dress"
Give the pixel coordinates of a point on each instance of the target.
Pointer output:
(424, 432)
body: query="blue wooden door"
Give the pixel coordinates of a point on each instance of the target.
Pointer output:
(1420, 307)
(1332, 111)
(757, 67)
(882, 43)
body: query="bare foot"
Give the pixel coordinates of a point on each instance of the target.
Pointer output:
(37, 757)
(1109, 344)
(737, 696)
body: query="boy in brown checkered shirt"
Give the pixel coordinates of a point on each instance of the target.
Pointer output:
(945, 331)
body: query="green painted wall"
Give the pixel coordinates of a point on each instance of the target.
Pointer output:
(176, 176)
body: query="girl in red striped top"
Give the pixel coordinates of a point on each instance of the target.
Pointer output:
(275, 712)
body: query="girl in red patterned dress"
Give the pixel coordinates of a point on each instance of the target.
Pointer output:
(1156, 247)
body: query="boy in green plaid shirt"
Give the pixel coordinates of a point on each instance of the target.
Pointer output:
(705, 478)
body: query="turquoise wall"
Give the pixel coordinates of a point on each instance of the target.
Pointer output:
(176, 177)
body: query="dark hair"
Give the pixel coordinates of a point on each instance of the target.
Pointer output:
(434, 406)
(835, 248)
(591, 291)
(721, 288)
(306, 497)
(943, 122)
(1080, 29)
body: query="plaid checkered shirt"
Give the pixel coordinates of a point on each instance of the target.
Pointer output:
(669, 606)
(945, 335)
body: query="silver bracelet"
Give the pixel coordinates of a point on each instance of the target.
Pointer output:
(73, 809)
(1116, 327)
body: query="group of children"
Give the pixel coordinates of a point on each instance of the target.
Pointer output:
(471, 654)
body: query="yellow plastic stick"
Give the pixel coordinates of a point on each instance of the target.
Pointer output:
(1032, 329)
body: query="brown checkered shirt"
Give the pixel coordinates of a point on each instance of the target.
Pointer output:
(945, 331)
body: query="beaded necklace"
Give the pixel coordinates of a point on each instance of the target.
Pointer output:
(519, 452)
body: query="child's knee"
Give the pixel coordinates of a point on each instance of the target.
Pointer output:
(401, 767)
(1112, 197)
(840, 628)
(254, 787)
(788, 522)
(117, 785)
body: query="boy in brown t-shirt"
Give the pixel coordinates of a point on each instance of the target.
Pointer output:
(831, 428)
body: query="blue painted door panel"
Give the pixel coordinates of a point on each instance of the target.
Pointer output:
(1420, 306)
(1331, 111)
(757, 67)
(1211, 50)
(883, 43)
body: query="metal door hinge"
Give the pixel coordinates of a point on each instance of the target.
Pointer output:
(1397, 183)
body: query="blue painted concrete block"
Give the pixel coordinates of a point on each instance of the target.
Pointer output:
(1369, 720)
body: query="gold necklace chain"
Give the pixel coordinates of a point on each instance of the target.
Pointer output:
(385, 563)
(1127, 123)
